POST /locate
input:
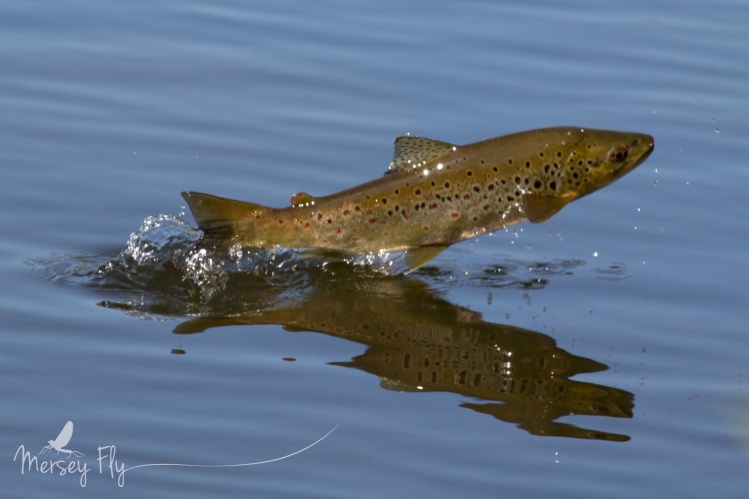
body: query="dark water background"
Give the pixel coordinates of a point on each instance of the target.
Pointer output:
(624, 317)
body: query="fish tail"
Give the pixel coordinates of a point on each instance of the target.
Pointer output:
(218, 217)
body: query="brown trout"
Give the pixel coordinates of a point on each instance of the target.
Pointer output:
(434, 194)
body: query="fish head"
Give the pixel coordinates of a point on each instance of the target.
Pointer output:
(575, 162)
(595, 158)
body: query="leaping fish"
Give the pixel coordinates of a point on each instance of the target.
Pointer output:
(434, 194)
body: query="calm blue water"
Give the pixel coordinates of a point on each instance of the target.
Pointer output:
(635, 296)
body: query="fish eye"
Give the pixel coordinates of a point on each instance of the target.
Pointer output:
(618, 154)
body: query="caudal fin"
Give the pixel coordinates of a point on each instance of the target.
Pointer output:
(218, 217)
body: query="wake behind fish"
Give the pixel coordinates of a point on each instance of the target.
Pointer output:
(164, 248)
(164, 263)
(164, 270)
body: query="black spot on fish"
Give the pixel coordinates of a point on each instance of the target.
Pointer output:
(469, 173)
(330, 220)
(537, 184)
(527, 164)
(447, 185)
(476, 188)
(384, 201)
(553, 185)
(417, 192)
(357, 208)
(319, 217)
(346, 212)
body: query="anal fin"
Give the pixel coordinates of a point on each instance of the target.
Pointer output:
(418, 257)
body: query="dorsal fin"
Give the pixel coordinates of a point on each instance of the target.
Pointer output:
(411, 151)
(302, 199)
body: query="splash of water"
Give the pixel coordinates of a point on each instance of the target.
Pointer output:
(165, 270)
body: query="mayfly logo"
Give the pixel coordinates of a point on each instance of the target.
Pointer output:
(107, 464)
(61, 441)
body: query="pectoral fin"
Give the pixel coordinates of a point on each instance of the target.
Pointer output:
(539, 208)
(419, 257)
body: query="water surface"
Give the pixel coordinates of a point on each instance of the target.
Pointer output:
(599, 353)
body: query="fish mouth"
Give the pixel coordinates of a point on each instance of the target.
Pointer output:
(650, 146)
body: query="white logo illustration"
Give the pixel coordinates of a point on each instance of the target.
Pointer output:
(108, 463)
(61, 441)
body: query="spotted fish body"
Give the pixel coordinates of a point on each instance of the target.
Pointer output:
(435, 194)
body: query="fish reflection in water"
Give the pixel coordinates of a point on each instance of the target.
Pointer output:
(419, 342)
